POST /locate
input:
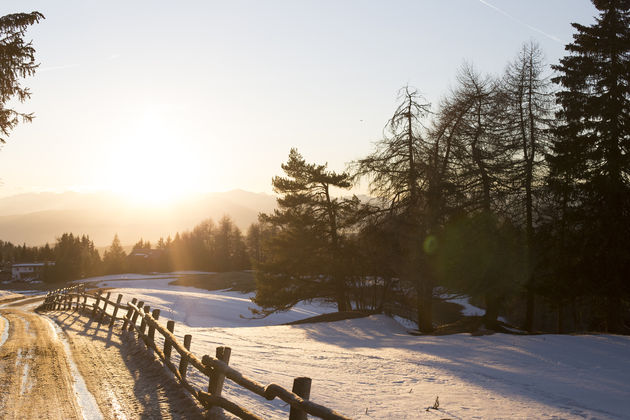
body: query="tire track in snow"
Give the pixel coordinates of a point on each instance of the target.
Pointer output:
(85, 399)
(5, 330)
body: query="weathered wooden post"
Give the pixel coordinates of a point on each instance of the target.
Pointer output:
(129, 312)
(118, 299)
(96, 303)
(84, 302)
(143, 322)
(170, 326)
(156, 316)
(301, 387)
(183, 362)
(132, 324)
(217, 378)
(105, 302)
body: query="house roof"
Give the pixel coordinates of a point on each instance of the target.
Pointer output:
(33, 264)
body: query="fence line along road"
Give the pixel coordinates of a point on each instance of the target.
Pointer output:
(139, 318)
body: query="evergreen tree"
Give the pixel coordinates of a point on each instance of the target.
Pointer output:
(17, 61)
(306, 258)
(75, 258)
(115, 257)
(589, 162)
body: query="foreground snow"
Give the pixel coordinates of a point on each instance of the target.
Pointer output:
(371, 368)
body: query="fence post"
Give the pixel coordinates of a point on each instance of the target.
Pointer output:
(156, 316)
(106, 301)
(128, 316)
(96, 303)
(111, 323)
(183, 362)
(134, 318)
(170, 326)
(217, 378)
(143, 323)
(301, 387)
(84, 301)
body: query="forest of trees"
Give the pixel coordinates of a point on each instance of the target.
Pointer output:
(208, 247)
(513, 190)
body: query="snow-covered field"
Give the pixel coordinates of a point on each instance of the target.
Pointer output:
(370, 368)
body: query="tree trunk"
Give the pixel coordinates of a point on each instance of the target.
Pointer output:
(493, 303)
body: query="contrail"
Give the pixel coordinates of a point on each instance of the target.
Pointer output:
(533, 28)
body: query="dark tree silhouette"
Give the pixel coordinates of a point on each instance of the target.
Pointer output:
(114, 258)
(17, 61)
(590, 165)
(529, 118)
(400, 173)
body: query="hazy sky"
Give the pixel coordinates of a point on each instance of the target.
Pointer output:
(210, 96)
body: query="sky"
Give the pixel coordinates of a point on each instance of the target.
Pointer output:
(155, 99)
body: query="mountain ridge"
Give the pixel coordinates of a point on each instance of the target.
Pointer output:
(39, 218)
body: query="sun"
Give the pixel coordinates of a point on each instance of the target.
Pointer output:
(152, 166)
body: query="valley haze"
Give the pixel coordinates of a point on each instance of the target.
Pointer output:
(38, 218)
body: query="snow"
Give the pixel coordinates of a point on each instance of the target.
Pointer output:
(6, 294)
(370, 368)
(85, 399)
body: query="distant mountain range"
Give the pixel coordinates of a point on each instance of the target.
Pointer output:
(37, 218)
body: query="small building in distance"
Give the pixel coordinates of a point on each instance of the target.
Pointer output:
(28, 271)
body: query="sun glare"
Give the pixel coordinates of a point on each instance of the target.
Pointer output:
(153, 166)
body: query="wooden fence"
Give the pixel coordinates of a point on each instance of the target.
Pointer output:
(138, 317)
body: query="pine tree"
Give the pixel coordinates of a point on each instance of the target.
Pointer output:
(17, 61)
(590, 166)
(306, 254)
(114, 257)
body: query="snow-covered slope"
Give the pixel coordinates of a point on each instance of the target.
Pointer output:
(370, 368)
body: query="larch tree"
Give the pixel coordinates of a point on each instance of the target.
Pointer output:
(529, 111)
(482, 158)
(401, 174)
(306, 254)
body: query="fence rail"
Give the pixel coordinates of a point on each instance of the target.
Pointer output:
(139, 318)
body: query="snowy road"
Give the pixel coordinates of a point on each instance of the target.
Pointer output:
(65, 366)
(37, 379)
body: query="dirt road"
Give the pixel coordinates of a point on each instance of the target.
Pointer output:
(63, 366)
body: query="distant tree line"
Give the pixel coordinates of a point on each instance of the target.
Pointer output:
(208, 247)
(514, 190)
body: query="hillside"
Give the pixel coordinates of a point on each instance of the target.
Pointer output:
(371, 368)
